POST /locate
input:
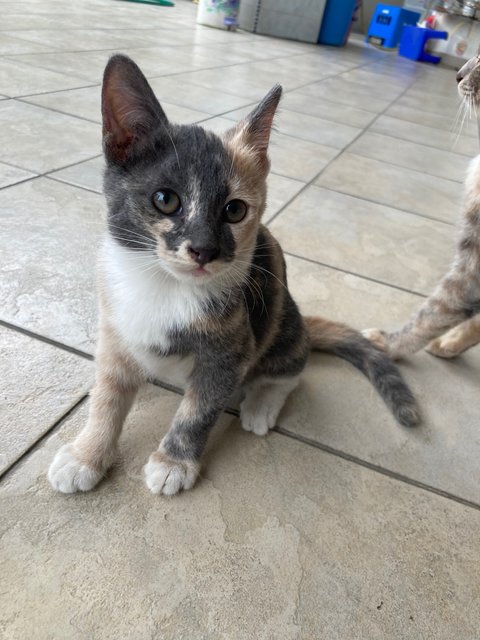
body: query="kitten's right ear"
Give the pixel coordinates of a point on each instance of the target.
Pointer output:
(130, 110)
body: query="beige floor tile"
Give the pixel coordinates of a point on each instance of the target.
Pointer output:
(367, 239)
(435, 162)
(423, 101)
(11, 44)
(445, 123)
(303, 543)
(41, 140)
(344, 114)
(351, 94)
(86, 103)
(86, 65)
(393, 82)
(336, 406)
(48, 259)
(235, 80)
(280, 191)
(298, 159)
(20, 79)
(308, 127)
(421, 134)
(394, 186)
(39, 384)
(88, 175)
(91, 39)
(89, 65)
(176, 91)
(11, 175)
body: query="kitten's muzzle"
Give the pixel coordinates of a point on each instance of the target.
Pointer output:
(203, 255)
(467, 68)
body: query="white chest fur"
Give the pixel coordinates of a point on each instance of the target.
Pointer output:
(147, 304)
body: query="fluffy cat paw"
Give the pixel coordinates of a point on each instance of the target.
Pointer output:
(258, 420)
(168, 476)
(378, 338)
(445, 347)
(68, 475)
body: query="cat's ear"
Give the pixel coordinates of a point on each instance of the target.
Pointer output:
(130, 110)
(253, 132)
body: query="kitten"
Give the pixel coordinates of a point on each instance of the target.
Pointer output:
(190, 280)
(452, 311)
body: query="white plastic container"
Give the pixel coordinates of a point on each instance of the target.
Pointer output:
(218, 13)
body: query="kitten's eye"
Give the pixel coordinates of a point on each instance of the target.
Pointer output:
(235, 211)
(167, 202)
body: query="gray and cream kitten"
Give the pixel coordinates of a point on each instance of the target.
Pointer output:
(448, 322)
(191, 281)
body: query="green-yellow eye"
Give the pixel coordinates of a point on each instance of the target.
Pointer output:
(235, 211)
(167, 202)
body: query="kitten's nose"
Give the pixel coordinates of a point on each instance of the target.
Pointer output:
(202, 255)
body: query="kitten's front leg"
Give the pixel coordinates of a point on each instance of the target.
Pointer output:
(80, 465)
(176, 463)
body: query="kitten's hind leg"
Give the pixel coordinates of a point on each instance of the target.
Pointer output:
(80, 465)
(457, 340)
(264, 399)
(434, 318)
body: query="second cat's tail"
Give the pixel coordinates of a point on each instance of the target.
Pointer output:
(350, 345)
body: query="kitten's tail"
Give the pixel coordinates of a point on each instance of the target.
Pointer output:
(350, 345)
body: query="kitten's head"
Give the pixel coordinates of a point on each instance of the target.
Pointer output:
(191, 198)
(468, 79)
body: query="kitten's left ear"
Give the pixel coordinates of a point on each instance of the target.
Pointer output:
(130, 110)
(254, 131)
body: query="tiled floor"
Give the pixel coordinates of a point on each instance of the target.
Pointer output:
(340, 525)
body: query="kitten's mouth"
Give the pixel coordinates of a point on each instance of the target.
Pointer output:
(199, 272)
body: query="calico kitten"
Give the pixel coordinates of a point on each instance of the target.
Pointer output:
(190, 280)
(448, 322)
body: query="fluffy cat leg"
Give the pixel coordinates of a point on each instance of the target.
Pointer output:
(264, 399)
(457, 340)
(80, 465)
(176, 463)
(449, 306)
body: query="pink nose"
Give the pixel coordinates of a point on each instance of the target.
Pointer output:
(202, 255)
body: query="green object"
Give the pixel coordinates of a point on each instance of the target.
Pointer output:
(162, 3)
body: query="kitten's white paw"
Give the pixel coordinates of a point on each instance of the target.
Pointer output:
(68, 475)
(257, 419)
(167, 476)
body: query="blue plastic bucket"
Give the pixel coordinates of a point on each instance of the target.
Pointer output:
(337, 22)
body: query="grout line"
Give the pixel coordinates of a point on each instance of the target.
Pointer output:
(46, 340)
(44, 93)
(423, 144)
(336, 156)
(46, 174)
(72, 184)
(49, 108)
(394, 475)
(412, 213)
(56, 425)
(357, 275)
(364, 154)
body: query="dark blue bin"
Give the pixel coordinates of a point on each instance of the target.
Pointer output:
(337, 21)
